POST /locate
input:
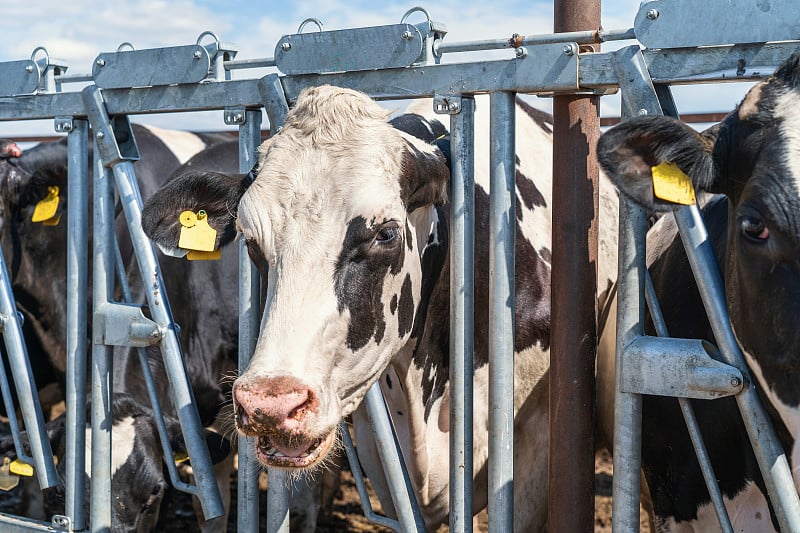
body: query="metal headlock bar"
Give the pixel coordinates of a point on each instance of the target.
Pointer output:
(398, 61)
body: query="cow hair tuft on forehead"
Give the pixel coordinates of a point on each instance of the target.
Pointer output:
(330, 114)
(789, 71)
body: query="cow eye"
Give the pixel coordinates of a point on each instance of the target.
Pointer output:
(387, 234)
(754, 229)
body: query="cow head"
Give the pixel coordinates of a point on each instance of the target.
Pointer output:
(753, 157)
(337, 212)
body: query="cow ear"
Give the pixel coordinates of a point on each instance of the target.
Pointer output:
(215, 193)
(425, 175)
(629, 152)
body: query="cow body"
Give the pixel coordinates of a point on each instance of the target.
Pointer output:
(37, 258)
(347, 217)
(751, 158)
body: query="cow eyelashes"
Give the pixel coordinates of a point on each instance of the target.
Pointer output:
(387, 234)
(754, 229)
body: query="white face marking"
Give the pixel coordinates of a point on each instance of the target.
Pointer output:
(183, 144)
(788, 108)
(123, 438)
(748, 511)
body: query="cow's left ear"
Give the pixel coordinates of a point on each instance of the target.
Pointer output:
(215, 193)
(425, 175)
(629, 152)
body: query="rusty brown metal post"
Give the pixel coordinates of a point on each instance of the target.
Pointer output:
(575, 205)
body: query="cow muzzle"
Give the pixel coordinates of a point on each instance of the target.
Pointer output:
(280, 412)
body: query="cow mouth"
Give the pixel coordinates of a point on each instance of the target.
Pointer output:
(273, 454)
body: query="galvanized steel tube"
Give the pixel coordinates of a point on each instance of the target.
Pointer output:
(628, 406)
(103, 289)
(27, 395)
(77, 289)
(249, 298)
(502, 225)
(576, 128)
(174, 365)
(402, 493)
(766, 446)
(462, 301)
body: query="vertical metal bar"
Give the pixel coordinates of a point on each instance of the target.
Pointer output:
(462, 253)
(502, 227)
(103, 289)
(77, 289)
(638, 96)
(277, 501)
(249, 300)
(403, 496)
(766, 446)
(628, 406)
(576, 128)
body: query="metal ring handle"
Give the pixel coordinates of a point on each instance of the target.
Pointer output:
(40, 49)
(311, 20)
(208, 33)
(415, 9)
(124, 45)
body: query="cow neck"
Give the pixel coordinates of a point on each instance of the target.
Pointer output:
(421, 421)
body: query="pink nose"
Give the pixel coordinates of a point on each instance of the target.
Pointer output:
(280, 403)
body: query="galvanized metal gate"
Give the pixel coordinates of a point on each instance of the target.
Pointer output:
(404, 62)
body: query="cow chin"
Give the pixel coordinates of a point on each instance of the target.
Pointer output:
(303, 455)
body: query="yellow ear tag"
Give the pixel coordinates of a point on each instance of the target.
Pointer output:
(180, 457)
(46, 209)
(21, 469)
(197, 255)
(672, 185)
(7, 480)
(196, 234)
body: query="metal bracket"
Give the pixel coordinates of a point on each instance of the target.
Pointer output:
(685, 23)
(63, 124)
(61, 523)
(666, 366)
(376, 47)
(234, 115)
(152, 67)
(446, 104)
(125, 325)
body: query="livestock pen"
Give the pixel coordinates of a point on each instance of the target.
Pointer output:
(403, 63)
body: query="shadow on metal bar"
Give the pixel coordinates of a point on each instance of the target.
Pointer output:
(700, 376)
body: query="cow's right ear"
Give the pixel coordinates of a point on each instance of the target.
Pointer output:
(215, 193)
(629, 152)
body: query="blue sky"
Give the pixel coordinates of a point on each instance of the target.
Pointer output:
(78, 30)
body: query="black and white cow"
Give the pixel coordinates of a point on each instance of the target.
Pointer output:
(348, 215)
(36, 255)
(752, 158)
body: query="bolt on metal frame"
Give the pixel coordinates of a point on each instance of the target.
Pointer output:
(556, 66)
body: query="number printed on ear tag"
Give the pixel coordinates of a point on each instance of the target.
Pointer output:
(196, 234)
(672, 185)
(45, 210)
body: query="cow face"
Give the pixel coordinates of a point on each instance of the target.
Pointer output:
(753, 158)
(336, 213)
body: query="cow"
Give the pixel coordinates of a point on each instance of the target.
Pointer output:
(37, 257)
(751, 162)
(346, 214)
